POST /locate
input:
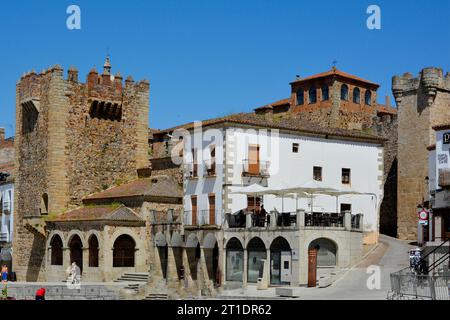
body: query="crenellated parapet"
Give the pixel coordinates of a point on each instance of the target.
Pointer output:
(430, 80)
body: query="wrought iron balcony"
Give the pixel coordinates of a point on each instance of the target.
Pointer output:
(200, 218)
(255, 168)
(209, 168)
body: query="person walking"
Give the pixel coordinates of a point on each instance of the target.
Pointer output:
(40, 294)
(4, 273)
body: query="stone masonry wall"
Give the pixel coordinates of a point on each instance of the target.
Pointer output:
(69, 153)
(422, 102)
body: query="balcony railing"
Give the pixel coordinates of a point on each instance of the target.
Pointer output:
(191, 170)
(210, 168)
(202, 218)
(255, 168)
(4, 237)
(299, 219)
(320, 219)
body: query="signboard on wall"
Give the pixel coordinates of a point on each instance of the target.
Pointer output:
(446, 138)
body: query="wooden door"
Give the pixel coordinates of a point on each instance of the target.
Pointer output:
(253, 159)
(312, 267)
(212, 209)
(194, 210)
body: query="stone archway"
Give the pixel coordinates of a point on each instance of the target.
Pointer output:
(234, 260)
(280, 262)
(193, 253)
(211, 252)
(76, 251)
(256, 252)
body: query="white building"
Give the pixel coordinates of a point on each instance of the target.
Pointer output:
(6, 222)
(439, 184)
(235, 164)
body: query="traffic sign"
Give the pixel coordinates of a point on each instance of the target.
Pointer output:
(423, 215)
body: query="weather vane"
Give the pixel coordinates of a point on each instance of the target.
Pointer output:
(334, 64)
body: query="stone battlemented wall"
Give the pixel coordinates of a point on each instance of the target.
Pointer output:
(422, 102)
(72, 139)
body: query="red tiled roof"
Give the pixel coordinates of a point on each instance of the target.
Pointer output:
(275, 104)
(290, 124)
(99, 213)
(336, 72)
(383, 109)
(157, 186)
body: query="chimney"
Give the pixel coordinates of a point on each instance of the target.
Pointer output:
(2, 134)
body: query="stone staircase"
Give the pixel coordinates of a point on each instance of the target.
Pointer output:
(156, 296)
(134, 277)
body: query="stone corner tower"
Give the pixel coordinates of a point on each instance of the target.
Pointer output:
(72, 139)
(422, 102)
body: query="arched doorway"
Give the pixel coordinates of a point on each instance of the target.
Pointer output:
(124, 251)
(93, 251)
(76, 251)
(326, 253)
(280, 262)
(256, 252)
(234, 260)
(56, 246)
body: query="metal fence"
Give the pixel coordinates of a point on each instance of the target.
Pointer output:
(406, 284)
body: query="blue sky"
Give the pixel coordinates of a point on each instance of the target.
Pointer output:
(213, 57)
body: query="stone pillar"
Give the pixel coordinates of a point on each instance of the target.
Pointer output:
(206, 284)
(248, 220)
(264, 284)
(155, 270)
(348, 220)
(188, 282)
(273, 219)
(85, 266)
(300, 218)
(172, 272)
(66, 258)
(245, 272)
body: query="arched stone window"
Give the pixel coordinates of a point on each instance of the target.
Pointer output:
(234, 260)
(344, 92)
(356, 95)
(124, 251)
(325, 93)
(368, 98)
(56, 245)
(312, 95)
(300, 97)
(93, 251)
(44, 204)
(256, 252)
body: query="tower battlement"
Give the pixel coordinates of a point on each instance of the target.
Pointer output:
(73, 139)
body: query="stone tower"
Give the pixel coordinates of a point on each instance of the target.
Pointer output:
(422, 102)
(72, 139)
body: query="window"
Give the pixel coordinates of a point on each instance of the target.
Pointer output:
(300, 97)
(93, 251)
(30, 116)
(44, 204)
(344, 92)
(253, 203)
(194, 210)
(57, 253)
(212, 209)
(253, 159)
(312, 95)
(123, 251)
(295, 147)
(194, 163)
(325, 93)
(317, 173)
(211, 166)
(368, 98)
(346, 176)
(356, 96)
(106, 110)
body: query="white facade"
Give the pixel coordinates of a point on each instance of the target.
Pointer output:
(439, 159)
(7, 204)
(286, 169)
